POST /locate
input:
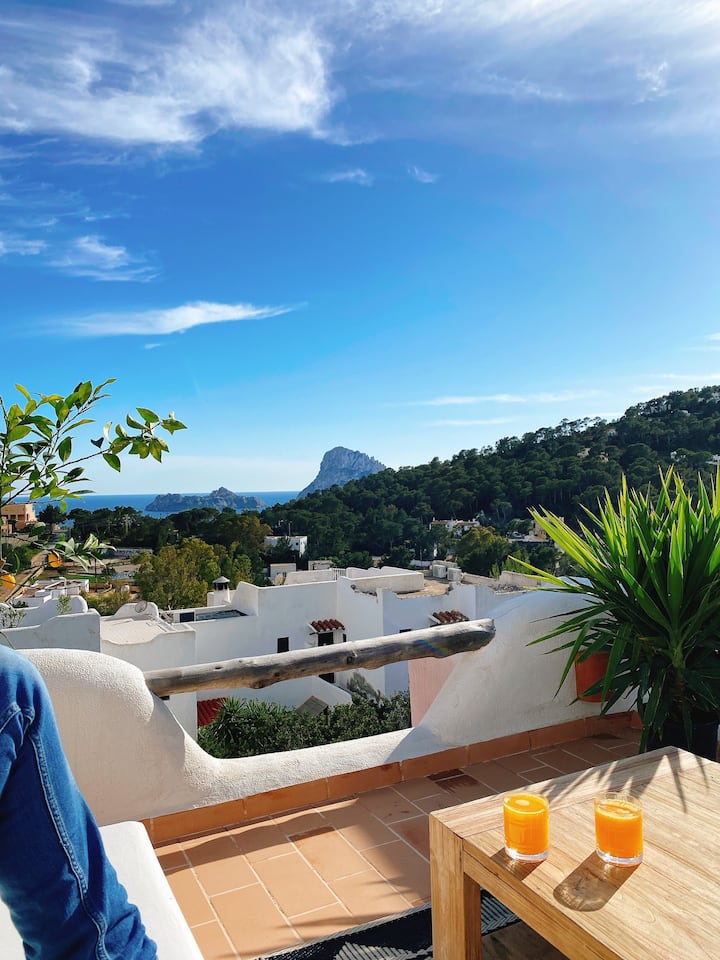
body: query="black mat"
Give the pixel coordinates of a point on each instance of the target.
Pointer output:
(406, 936)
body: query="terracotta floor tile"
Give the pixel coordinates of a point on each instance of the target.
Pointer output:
(299, 822)
(592, 753)
(253, 922)
(368, 897)
(259, 841)
(437, 803)
(190, 896)
(520, 762)
(408, 872)
(366, 831)
(171, 859)
(323, 922)
(496, 777)
(226, 873)
(418, 789)
(294, 886)
(417, 833)
(213, 942)
(388, 805)
(563, 762)
(208, 849)
(330, 854)
(463, 790)
(624, 749)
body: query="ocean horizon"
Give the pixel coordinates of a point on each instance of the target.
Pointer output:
(139, 501)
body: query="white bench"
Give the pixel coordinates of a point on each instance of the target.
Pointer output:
(130, 852)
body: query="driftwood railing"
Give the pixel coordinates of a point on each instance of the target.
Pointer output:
(258, 672)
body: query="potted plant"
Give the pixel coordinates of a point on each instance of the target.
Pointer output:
(650, 592)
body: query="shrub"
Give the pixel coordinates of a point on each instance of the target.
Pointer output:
(247, 728)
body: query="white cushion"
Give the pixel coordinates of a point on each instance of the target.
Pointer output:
(130, 852)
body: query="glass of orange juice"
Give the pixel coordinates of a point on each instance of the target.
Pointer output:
(526, 819)
(619, 829)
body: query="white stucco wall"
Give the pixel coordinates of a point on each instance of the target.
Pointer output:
(76, 631)
(133, 760)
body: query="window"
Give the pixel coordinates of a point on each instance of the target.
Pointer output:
(326, 640)
(283, 644)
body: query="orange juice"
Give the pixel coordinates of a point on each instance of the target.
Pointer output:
(618, 828)
(526, 818)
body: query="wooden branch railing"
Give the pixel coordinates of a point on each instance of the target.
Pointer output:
(258, 672)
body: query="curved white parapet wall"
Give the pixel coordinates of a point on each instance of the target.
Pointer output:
(134, 761)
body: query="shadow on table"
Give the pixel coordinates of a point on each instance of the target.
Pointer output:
(591, 884)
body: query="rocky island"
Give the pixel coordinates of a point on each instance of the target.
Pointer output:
(340, 465)
(219, 499)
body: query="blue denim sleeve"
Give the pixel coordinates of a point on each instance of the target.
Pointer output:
(62, 892)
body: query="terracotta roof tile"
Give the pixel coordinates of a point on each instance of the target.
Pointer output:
(207, 710)
(449, 616)
(325, 626)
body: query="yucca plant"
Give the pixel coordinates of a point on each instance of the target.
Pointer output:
(651, 570)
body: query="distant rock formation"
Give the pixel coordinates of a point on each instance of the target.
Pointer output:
(219, 499)
(340, 465)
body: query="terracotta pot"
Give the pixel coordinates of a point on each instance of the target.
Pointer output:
(587, 672)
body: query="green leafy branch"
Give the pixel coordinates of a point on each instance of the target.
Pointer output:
(38, 457)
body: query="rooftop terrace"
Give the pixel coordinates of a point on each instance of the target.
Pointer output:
(293, 875)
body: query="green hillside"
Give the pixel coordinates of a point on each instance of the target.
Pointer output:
(561, 468)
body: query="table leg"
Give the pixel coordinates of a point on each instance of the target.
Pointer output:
(455, 899)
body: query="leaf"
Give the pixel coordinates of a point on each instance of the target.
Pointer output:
(65, 449)
(148, 415)
(112, 460)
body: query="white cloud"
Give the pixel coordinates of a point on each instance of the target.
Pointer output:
(154, 72)
(89, 256)
(560, 397)
(163, 322)
(10, 244)
(675, 381)
(357, 175)
(235, 67)
(493, 421)
(422, 176)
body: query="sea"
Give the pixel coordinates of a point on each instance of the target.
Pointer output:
(139, 501)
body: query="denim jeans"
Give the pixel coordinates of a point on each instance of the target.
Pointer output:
(63, 894)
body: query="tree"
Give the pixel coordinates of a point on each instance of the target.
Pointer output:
(51, 515)
(481, 550)
(37, 453)
(178, 576)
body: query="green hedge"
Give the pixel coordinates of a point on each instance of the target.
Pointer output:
(246, 728)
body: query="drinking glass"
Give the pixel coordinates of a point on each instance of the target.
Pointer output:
(526, 819)
(619, 829)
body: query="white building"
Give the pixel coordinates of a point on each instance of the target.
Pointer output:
(312, 608)
(298, 544)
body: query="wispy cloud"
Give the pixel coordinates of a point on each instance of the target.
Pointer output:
(458, 401)
(154, 72)
(237, 66)
(10, 244)
(89, 256)
(662, 382)
(356, 175)
(154, 323)
(422, 176)
(491, 422)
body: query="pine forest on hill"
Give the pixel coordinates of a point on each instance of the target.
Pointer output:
(562, 468)
(388, 515)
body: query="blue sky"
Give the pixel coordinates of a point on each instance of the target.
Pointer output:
(408, 227)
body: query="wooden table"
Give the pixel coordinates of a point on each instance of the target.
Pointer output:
(667, 907)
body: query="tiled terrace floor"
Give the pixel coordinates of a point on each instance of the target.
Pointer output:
(253, 889)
